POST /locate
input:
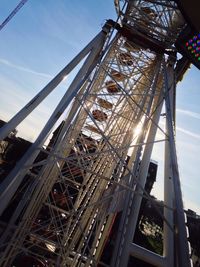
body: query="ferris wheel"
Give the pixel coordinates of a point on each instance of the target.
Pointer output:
(77, 202)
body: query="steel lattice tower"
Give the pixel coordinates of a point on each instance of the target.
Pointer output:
(96, 165)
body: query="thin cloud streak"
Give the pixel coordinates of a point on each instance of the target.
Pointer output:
(192, 134)
(182, 130)
(17, 67)
(189, 113)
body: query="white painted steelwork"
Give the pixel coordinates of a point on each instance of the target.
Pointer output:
(96, 165)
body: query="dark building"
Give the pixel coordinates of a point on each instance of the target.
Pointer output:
(11, 150)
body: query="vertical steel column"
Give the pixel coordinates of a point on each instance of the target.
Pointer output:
(181, 234)
(168, 234)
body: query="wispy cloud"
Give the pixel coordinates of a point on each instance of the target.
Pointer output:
(189, 113)
(18, 67)
(182, 130)
(190, 133)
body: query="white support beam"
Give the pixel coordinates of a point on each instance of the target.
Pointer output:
(147, 256)
(182, 247)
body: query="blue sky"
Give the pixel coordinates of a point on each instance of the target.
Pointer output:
(43, 37)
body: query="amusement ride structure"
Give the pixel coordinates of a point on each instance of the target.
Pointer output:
(60, 203)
